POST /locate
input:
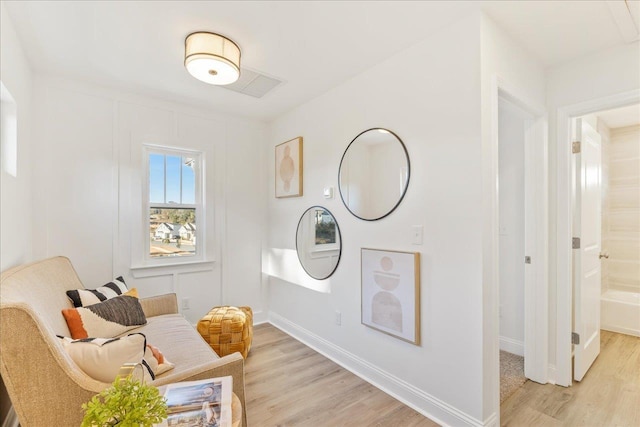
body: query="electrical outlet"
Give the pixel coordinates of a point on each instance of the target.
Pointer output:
(186, 304)
(338, 318)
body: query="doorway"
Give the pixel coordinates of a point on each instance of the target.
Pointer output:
(606, 204)
(536, 314)
(578, 325)
(512, 123)
(521, 232)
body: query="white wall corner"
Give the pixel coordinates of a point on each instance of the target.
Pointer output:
(492, 421)
(552, 372)
(260, 316)
(424, 403)
(624, 20)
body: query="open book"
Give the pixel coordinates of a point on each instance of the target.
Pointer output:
(204, 403)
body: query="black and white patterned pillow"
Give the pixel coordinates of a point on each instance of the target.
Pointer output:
(84, 297)
(109, 318)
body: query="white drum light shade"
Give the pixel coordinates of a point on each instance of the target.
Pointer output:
(212, 58)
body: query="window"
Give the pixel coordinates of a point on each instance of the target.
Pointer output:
(174, 203)
(323, 230)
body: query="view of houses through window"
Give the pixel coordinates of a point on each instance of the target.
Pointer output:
(172, 232)
(173, 204)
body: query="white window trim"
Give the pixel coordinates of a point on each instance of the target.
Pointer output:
(321, 249)
(199, 206)
(9, 133)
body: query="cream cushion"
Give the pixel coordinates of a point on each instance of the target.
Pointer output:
(175, 338)
(102, 358)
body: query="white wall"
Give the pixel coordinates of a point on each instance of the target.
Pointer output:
(429, 95)
(605, 155)
(15, 191)
(88, 184)
(624, 210)
(511, 226)
(594, 77)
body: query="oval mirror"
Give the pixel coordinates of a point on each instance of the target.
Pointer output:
(318, 242)
(374, 174)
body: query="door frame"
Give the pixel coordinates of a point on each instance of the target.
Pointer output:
(564, 223)
(536, 290)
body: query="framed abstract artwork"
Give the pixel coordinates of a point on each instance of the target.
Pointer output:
(289, 168)
(391, 293)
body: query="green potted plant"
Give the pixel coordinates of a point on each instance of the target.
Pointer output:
(127, 403)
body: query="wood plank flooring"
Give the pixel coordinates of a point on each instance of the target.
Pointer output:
(609, 395)
(289, 384)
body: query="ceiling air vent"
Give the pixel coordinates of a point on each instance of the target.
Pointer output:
(253, 84)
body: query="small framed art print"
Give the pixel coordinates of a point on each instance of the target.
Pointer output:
(289, 168)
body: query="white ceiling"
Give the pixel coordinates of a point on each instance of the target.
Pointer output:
(621, 117)
(311, 46)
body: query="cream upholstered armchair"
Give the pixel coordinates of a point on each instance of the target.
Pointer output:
(45, 385)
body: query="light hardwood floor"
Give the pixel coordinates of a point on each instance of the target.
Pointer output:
(609, 395)
(289, 384)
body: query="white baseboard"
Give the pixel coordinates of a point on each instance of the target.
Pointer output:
(492, 421)
(552, 374)
(621, 330)
(512, 346)
(12, 419)
(429, 406)
(260, 317)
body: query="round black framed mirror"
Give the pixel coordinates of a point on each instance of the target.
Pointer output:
(318, 242)
(374, 174)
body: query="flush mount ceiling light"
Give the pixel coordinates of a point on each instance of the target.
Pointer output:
(212, 58)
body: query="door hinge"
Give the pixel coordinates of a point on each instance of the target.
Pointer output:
(527, 259)
(575, 338)
(575, 147)
(575, 243)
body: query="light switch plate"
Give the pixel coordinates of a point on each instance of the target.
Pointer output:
(417, 233)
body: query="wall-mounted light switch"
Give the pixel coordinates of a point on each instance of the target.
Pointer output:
(417, 233)
(328, 192)
(185, 304)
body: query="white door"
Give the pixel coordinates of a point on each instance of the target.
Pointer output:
(587, 227)
(536, 312)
